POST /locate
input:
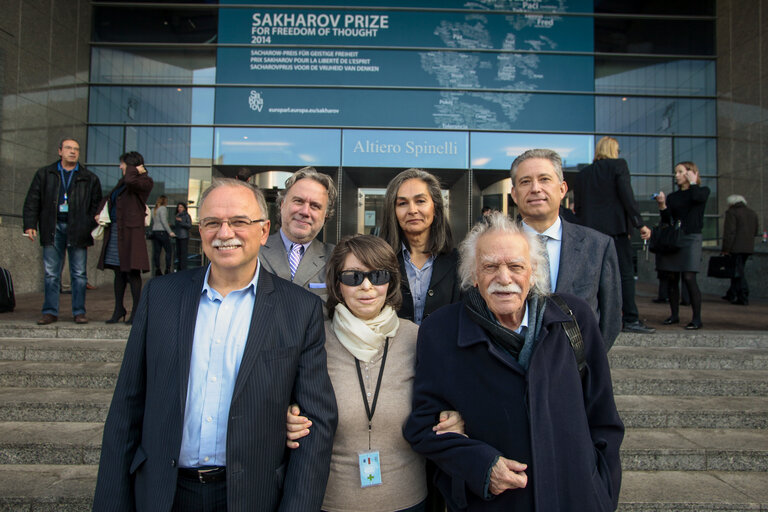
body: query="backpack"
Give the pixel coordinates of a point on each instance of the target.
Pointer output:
(7, 297)
(573, 332)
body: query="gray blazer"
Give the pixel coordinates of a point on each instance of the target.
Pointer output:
(283, 361)
(589, 269)
(311, 272)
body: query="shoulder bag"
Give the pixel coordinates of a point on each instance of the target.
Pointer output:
(665, 238)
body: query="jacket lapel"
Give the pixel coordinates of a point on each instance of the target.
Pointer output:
(310, 264)
(259, 330)
(274, 256)
(187, 320)
(570, 259)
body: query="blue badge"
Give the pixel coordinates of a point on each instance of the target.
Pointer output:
(370, 469)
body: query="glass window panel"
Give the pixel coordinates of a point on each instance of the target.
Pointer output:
(498, 150)
(655, 36)
(152, 65)
(167, 24)
(274, 146)
(651, 76)
(161, 144)
(169, 181)
(201, 145)
(105, 144)
(673, 116)
(108, 175)
(689, 7)
(703, 152)
(149, 105)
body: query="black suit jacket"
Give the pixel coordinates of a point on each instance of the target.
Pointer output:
(604, 199)
(283, 361)
(443, 285)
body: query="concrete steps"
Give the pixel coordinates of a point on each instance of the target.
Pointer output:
(695, 407)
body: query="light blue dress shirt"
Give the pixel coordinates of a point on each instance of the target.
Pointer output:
(554, 243)
(221, 331)
(418, 283)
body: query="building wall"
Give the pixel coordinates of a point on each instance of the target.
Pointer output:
(742, 104)
(44, 62)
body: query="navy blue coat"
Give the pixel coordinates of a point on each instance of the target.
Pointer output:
(575, 430)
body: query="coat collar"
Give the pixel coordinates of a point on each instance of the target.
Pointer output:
(572, 246)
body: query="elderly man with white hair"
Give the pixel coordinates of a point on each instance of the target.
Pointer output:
(539, 434)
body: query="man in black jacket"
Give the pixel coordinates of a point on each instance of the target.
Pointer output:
(62, 202)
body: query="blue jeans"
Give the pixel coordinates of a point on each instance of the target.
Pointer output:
(53, 256)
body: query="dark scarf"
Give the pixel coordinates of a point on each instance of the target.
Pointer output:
(519, 346)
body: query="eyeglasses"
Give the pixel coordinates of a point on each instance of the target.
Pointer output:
(67, 148)
(356, 277)
(235, 223)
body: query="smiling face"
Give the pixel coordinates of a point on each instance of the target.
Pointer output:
(503, 275)
(365, 301)
(538, 191)
(414, 207)
(233, 253)
(303, 210)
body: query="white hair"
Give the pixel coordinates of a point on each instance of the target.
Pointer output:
(736, 199)
(497, 222)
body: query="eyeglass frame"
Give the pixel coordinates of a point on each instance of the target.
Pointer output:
(229, 223)
(366, 275)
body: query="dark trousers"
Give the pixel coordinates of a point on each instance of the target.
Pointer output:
(161, 241)
(627, 272)
(193, 496)
(739, 289)
(182, 245)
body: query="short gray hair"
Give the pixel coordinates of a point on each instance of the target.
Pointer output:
(229, 182)
(736, 199)
(546, 154)
(497, 222)
(312, 174)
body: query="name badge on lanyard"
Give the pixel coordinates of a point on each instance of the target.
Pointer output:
(370, 461)
(64, 207)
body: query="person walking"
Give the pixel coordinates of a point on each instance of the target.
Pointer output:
(739, 232)
(687, 206)
(125, 248)
(181, 229)
(161, 236)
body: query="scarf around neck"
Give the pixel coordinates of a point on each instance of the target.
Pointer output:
(364, 338)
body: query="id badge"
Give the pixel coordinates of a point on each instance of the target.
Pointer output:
(370, 469)
(63, 207)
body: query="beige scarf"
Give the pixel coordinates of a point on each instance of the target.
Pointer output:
(364, 338)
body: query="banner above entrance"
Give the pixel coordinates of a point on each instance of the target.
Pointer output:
(396, 148)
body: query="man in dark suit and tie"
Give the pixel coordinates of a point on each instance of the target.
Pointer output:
(214, 358)
(581, 260)
(293, 253)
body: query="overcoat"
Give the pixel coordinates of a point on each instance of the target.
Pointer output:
(283, 362)
(443, 285)
(575, 430)
(130, 207)
(740, 229)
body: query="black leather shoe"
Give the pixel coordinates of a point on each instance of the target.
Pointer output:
(671, 320)
(693, 326)
(638, 327)
(659, 301)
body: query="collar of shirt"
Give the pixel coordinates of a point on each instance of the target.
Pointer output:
(418, 283)
(221, 333)
(288, 244)
(553, 246)
(62, 169)
(554, 232)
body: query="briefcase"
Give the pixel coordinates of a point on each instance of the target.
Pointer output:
(723, 267)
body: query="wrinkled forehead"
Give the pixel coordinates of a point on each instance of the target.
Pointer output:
(230, 201)
(501, 247)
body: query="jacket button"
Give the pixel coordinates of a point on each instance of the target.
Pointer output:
(431, 293)
(173, 463)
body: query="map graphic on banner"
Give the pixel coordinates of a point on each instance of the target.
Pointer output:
(408, 68)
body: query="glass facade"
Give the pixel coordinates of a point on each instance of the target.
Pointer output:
(205, 90)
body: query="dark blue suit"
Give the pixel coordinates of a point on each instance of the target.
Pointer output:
(283, 361)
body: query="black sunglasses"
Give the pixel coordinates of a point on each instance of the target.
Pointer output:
(356, 277)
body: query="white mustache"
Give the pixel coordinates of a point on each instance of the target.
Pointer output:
(501, 288)
(232, 242)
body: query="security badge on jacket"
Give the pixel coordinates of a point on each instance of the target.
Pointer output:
(64, 207)
(370, 469)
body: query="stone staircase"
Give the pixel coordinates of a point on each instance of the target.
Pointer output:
(695, 407)
(696, 411)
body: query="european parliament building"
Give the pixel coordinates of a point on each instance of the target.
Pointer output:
(363, 89)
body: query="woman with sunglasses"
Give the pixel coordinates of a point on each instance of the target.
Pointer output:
(371, 361)
(416, 227)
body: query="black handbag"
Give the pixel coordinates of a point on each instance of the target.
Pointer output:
(722, 267)
(665, 238)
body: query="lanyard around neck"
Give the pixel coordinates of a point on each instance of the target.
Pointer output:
(66, 182)
(370, 410)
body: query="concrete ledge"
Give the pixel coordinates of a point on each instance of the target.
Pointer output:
(47, 488)
(689, 358)
(689, 382)
(693, 412)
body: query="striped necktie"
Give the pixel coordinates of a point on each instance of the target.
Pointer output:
(297, 250)
(544, 239)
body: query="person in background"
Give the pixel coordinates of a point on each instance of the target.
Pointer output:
(125, 246)
(62, 202)
(181, 229)
(605, 202)
(161, 236)
(686, 205)
(739, 232)
(416, 227)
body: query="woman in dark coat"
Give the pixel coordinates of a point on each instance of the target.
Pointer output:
(181, 229)
(125, 246)
(416, 227)
(687, 206)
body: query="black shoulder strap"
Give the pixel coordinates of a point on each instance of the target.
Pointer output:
(573, 332)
